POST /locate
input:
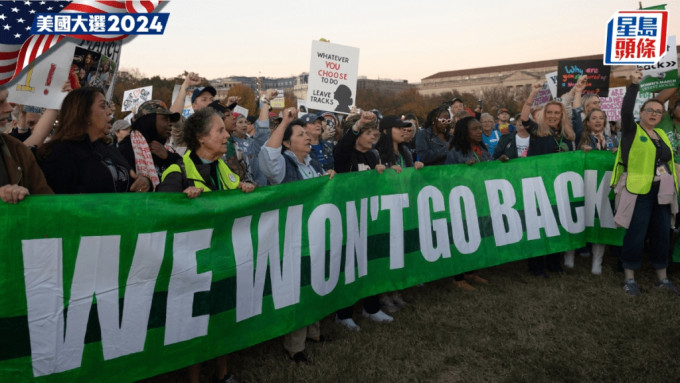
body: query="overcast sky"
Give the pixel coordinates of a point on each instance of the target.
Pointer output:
(397, 39)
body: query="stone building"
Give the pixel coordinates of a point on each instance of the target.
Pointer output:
(517, 77)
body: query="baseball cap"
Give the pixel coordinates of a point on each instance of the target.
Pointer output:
(310, 117)
(158, 107)
(220, 107)
(503, 110)
(391, 121)
(198, 91)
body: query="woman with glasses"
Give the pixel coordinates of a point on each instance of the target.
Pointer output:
(646, 189)
(432, 142)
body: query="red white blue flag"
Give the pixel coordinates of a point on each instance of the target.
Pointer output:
(19, 48)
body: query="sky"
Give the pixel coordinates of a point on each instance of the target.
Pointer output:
(397, 39)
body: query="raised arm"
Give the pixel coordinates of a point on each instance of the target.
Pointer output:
(578, 91)
(526, 109)
(42, 128)
(192, 79)
(265, 99)
(270, 159)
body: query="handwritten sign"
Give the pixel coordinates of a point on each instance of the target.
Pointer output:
(333, 73)
(542, 97)
(663, 74)
(135, 97)
(569, 71)
(81, 63)
(611, 105)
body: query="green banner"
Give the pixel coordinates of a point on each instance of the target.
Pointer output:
(122, 287)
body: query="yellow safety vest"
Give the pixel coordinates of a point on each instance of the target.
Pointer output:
(229, 179)
(642, 163)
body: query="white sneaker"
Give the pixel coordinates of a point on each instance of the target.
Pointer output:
(378, 316)
(349, 323)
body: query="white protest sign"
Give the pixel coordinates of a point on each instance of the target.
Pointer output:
(551, 78)
(135, 97)
(333, 74)
(612, 105)
(187, 110)
(241, 110)
(302, 107)
(83, 63)
(278, 102)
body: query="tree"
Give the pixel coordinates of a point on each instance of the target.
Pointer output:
(498, 97)
(247, 97)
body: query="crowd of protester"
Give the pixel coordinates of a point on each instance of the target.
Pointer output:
(216, 149)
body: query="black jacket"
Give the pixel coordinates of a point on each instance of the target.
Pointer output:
(73, 167)
(347, 158)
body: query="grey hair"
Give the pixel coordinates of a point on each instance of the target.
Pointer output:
(487, 115)
(198, 125)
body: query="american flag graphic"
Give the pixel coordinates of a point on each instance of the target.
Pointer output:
(18, 48)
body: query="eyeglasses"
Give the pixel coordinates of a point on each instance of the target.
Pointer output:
(653, 111)
(444, 120)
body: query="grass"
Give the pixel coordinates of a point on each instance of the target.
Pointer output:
(574, 327)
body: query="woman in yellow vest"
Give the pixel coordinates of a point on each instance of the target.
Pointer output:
(646, 189)
(202, 169)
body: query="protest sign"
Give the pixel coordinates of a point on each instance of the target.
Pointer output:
(187, 110)
(171, 281)
(332, 84)
(542, 97)
(568, 71)
(278, 102)
(551, 80)
(302, 108)
(135, 97)
(611, 104)
(81, 63)
(663, 74)
(241, 110)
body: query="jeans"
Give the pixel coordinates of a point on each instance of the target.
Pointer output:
(649, 219)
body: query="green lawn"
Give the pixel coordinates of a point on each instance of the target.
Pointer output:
(574, 327)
